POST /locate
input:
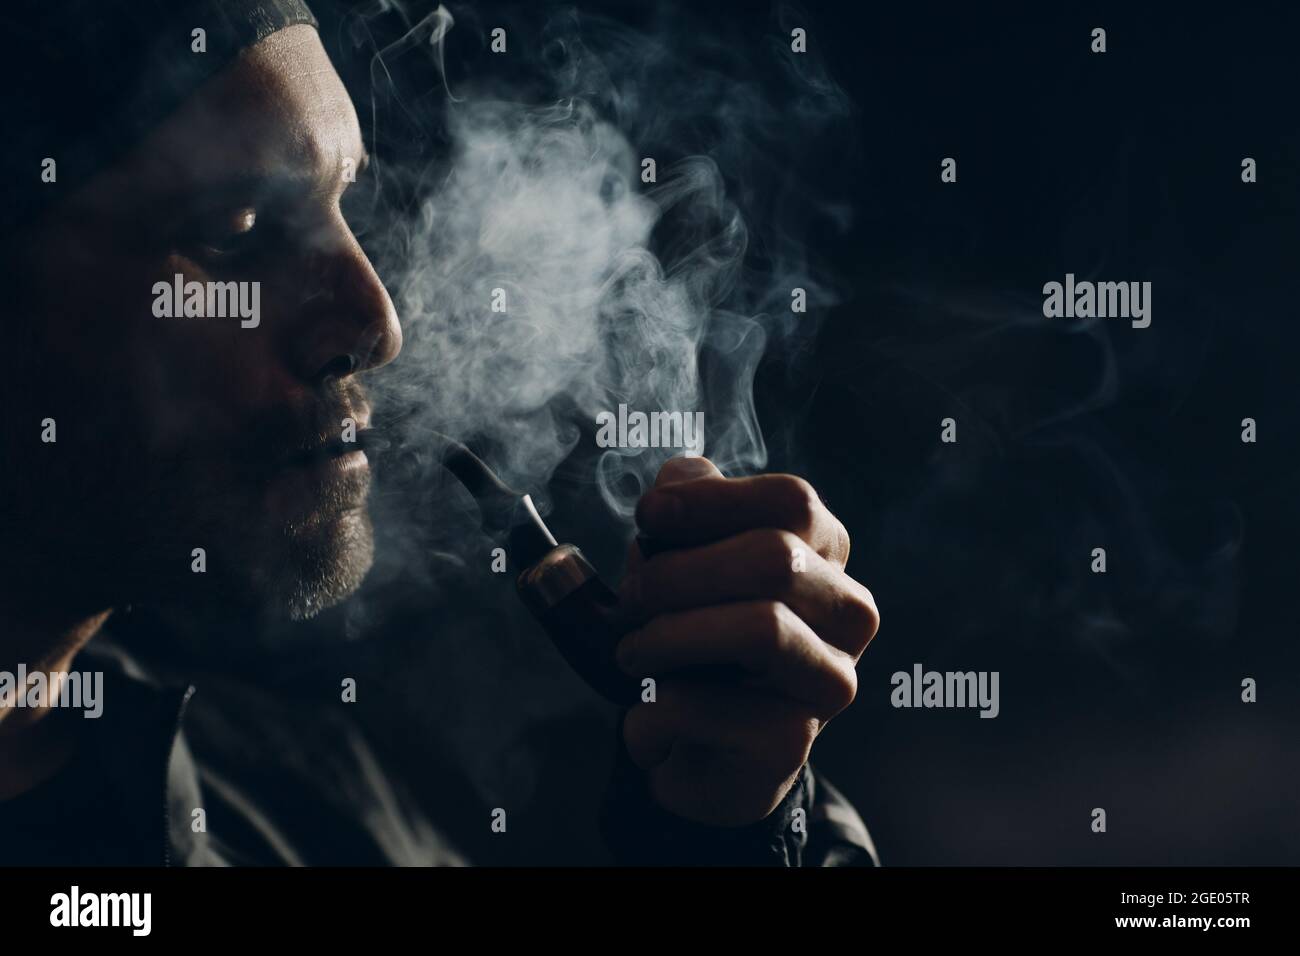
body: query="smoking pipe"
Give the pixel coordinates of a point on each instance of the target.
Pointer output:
(558, 585)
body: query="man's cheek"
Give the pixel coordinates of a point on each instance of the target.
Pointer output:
(197, 389)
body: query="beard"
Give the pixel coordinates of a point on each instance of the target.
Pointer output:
(259, 601)
(222, 520)
(310, 567)
(173, 484)
(280, 544)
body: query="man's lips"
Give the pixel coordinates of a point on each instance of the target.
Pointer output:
(332, 450)
(330, 477)
(325, 447)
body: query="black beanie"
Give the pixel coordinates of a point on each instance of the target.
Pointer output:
(85, 80)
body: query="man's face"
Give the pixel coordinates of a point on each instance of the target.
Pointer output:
(179, 433)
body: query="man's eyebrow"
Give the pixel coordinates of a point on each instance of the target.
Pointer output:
(260, 185)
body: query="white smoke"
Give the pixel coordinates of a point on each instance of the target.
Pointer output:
(541, 209)
(616, 291)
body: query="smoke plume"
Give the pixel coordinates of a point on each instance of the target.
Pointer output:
(542, 280)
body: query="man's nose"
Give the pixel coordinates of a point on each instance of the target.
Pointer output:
(348, 323)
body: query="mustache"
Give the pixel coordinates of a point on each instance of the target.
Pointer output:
(318, 426)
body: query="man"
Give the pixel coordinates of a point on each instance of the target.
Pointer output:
(158, 455)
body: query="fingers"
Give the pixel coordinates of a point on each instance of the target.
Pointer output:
(768, 731)
(766, 564)
(772, 646)
(718, 754)
(673, 470)
(691, 510)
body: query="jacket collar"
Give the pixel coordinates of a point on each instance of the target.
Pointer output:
(133, 744)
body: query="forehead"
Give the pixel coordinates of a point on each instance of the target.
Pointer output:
(279, 108)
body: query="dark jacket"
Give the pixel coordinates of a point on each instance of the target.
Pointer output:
(163, 778)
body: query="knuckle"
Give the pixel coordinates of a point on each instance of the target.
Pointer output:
(800, 502)
(873, 610)
(842, 687)
(776, 550)
(843, 544)
(857, 610)
(772, 628)
(685, 468)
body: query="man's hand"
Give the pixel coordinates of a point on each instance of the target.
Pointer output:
(752, 632)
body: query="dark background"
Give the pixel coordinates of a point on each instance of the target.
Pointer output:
(1120, 690)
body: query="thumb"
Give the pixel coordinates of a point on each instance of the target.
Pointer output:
(682, 468)
(675, 470)
(686, 468)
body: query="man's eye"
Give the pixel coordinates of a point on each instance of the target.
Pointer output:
(226, 234)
